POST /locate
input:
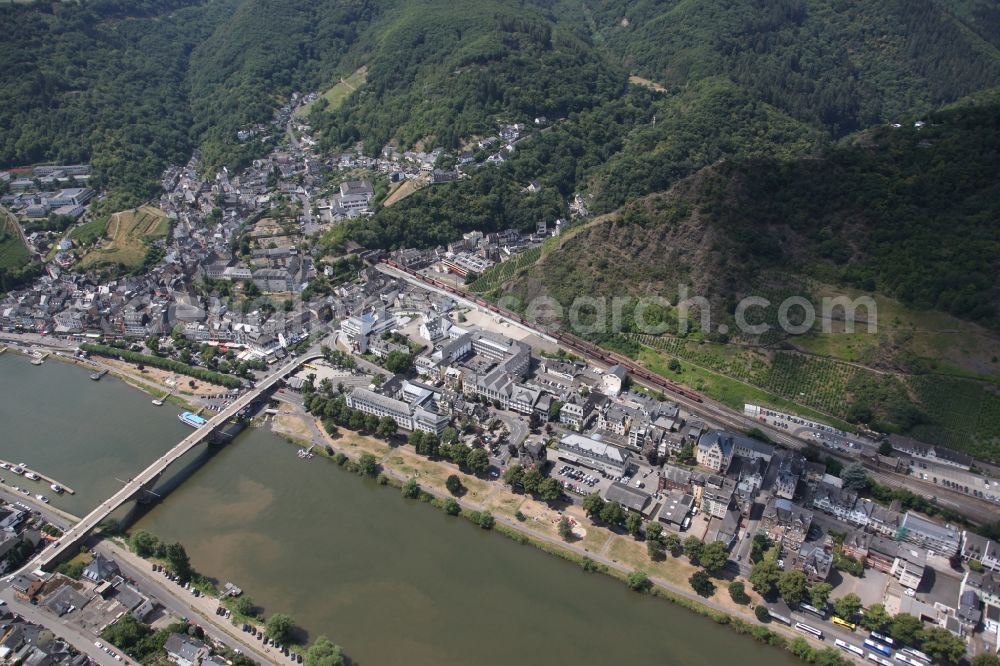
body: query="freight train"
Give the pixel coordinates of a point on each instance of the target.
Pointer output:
(586, 348)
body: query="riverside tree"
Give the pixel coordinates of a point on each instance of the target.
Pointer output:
(819, 594)
(565, 529)
(612, 513)
(942, 646)
(848, 606)
(279, 627)
(177, 559)
(367, 465)
(387, 427)
(478, 461)
(549, 489)
(904, 628)
(764, 576)
(693, 546)
(411, 489)
(143, 543)
(738, 592)
(792, 586)
(323, 652)
(532, 479)
(655, 542)
(702, 584)
(633, 523)
(638, 581)
(714, 556)
(875, 618)
(244, 606)
(592, 505)
(453, 484)
(514, 476)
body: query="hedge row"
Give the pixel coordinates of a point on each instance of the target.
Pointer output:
(164, 364)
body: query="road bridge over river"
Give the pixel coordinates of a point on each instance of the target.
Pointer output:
(146, 479)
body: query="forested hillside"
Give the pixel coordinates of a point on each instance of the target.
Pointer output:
(907, 212)
(102, 82)
(731, 84)
(443, 72)
(846, 64)
(258, 56)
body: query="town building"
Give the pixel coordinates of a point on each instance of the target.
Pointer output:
(632, 499)
(675, 511)
(605, 458)
(613, 380)
(185, 650)
(983, 550)
(941, 539)
(714, 451)
(930, 452)
(717, 496)
(786, 523)
(909, 567)
(100, 569)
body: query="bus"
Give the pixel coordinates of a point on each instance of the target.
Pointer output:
(809, 630)
(840, 622)
(844, 645)
(917, 654)
(878, 647)
(878, 660)
(813, 610)
(882, 639)
(903, 659)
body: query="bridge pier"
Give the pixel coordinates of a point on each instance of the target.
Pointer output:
(145, 494)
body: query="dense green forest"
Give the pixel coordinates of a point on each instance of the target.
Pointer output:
(100, 81)
(731, 85)
(262, 53)
(846, 64)
(437, 72)
(906, 212)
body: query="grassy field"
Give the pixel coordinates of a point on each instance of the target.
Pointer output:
(402, 190)
(646, 83)
(944, 341)
(13, 253)
(336, 95)
(123, 239)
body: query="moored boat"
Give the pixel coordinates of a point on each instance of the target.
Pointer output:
(191, 419)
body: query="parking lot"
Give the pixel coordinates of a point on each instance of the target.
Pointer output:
(217, 403)
(957, 480)
(580, 480)
(811, 431)
(584, 481)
